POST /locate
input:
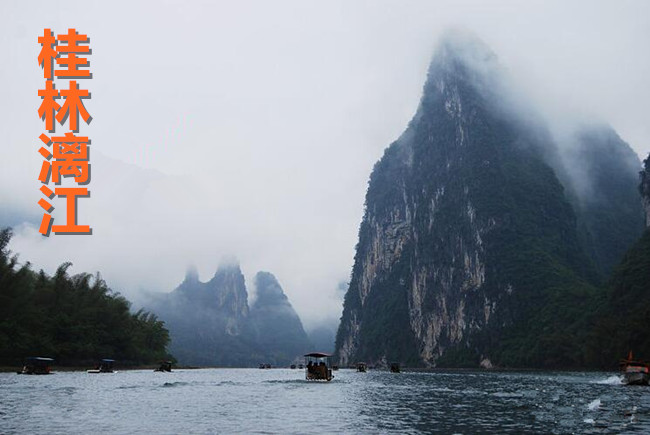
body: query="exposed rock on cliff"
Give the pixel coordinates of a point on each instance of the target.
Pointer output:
(645, 190)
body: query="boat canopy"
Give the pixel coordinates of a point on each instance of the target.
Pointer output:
(39, 358)
(318, 355)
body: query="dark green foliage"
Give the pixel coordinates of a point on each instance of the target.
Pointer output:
(609, 217)
(74, 319)
(622, 323)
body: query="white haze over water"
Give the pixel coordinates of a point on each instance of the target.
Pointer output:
(249, 129)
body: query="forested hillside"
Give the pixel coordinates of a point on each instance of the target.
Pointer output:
(74, 319)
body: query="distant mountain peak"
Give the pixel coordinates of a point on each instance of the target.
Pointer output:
(464, 45)
(269, 291)
(228, 265)
(191, 274)
(462, 55)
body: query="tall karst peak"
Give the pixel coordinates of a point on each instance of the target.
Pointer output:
(468, 231)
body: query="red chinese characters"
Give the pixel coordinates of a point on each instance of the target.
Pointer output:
(65, 157)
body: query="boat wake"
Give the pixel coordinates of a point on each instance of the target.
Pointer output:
(173, 384)
(594, 404)
(287, 381)
(612, 380)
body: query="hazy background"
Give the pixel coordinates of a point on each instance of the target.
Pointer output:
(249, 129)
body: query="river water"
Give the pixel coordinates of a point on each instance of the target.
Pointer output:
(281, 401)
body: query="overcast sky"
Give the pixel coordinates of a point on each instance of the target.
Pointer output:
(249, 129)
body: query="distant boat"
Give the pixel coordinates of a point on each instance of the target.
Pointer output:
(292, 366)
(394, 367)
(265, 366)
(165, 366)
(362, 367)
(318, 367)
(36, 365)
(301, 366)
(335, 367)
(635, 372)
(105, 366)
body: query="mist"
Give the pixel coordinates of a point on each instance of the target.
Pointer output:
(249, 130)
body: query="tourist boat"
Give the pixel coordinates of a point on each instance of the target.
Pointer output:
(362, 367)
(394, 367)
(36, 365)
(635, 372)
(105, 366)
(165, 366)
(318, 366)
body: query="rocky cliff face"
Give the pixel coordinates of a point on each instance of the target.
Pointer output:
(211, 324)
(467, 232)
(645, 189)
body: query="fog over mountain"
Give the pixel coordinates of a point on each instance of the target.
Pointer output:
(249, 129)
(212, 324)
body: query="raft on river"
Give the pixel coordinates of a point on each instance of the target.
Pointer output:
(635, 372)
(318, 367)
(105, 366)
(36, 365)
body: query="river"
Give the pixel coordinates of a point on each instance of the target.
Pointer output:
(281, 401)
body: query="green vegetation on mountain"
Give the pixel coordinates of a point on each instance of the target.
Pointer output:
(73, 319)
(622, 323)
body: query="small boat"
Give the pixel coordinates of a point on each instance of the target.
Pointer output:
(292, 366)
(165, 366)
(394, 367)
(635, 372)
(301, 366)
(362, 367)
(318, 367)
(36, 365)
(105, 366)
